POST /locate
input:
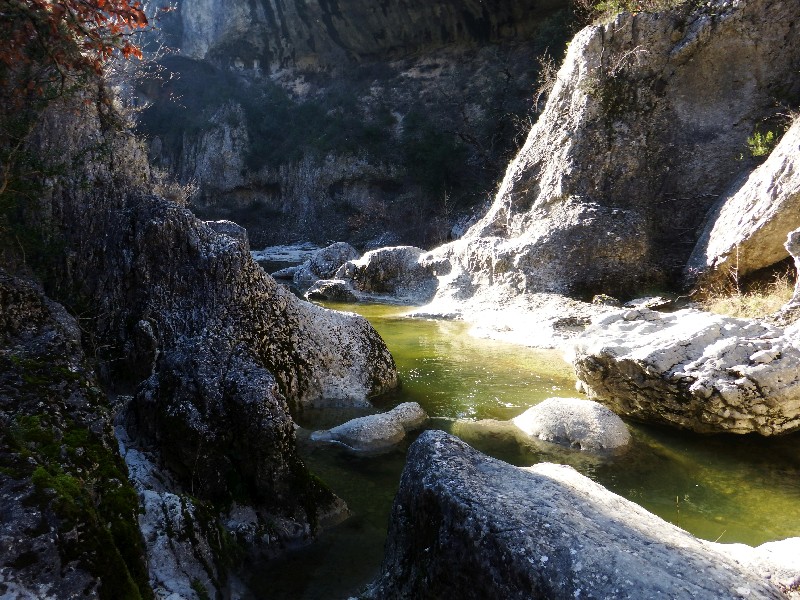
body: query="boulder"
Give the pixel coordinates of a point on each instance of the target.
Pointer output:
(375, 433)
(694, 370)
(323, 264)
(334, 290)
(581, 424)
(747, 229)
(468, 526)
(777, 561)
(400, 273)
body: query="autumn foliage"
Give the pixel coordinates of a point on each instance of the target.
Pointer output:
(45, 41)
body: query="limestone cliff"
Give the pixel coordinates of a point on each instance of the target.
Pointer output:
(646, 127)
(344, 120)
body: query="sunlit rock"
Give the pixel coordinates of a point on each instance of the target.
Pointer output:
(581, 424)
(695, 370)
(375, 432)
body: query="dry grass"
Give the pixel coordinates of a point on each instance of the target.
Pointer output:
(755, 303)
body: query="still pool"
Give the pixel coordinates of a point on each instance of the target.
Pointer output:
(725, 488)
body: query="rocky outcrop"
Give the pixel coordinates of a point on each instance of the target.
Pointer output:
(375, 433)
(576, 423)
(693, 370)
(748, 228)
(214, 348)
(641, 134)
(471, 526)
(69, 524)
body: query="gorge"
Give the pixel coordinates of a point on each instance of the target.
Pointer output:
(174, 422)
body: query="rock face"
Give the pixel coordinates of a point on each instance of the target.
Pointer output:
(362, 121)
(375, 433)
(214, 349)
(693, 370)
(748, 228)
(290, 33)
(641, 134)
(577, 423)
(470, 526)
(69, 524)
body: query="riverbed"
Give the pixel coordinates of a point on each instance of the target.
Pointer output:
(719, 488)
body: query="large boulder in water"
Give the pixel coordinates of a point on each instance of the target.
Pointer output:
(323, 264)
(694, 370)
(581, 424)
(468, 526)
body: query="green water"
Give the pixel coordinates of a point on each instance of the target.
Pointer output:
(726, 488)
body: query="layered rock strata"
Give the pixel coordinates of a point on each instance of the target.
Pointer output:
(694, 370)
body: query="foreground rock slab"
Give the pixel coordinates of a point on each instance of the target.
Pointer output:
(469, 526)
(375, 433)
(581, 424)
(692, 369)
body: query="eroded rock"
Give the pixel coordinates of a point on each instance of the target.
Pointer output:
(573, 422)
(694, 370)
(748, 228)
(323, 264)
(375, 433)
(470, 526)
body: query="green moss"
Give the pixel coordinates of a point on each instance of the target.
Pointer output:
(85, 484)
(200, 589)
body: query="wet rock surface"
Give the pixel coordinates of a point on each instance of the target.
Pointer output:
(469, 525)
(694, 370)
(573, 422)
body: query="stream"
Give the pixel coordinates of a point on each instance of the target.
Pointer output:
(719, 488)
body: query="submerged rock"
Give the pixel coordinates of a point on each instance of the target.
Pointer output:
(694, 370)
(469, 526)
(577, 423)
(376, 432)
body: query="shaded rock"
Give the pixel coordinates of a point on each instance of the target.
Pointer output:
(581, 424)
(335, 290)
(470, 526)
(748, 228)
(323, 263)
(68, 526)
(376, 432)
(401, 273)
(693, 370)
